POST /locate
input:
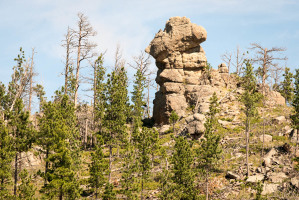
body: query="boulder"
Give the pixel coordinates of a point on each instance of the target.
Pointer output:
(279, 120)
(295, 182)
(255, 178)
(277, 177)
(231, 175)
(179, 35)
(269, 188)
(267, 138)
(222, 68)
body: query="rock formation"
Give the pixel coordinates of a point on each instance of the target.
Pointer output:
(182, 73)
(187, 82)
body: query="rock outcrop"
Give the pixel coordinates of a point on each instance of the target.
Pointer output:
(181, 63)
(186, 80)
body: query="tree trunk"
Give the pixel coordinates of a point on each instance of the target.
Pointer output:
(68, 41)
(30, 84)
(247, 144)
(60, 193)
(110, 162)
(148, 98)
(86, 134)
(15, 175)
(78, 66)
(141, 196)
(207, 186)
(46, 167)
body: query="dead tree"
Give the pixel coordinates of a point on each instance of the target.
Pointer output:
(68, 44)
(265, 58)
(83, 45)
(142, 62)
(235, 59)
(276, 75)
(227, 58)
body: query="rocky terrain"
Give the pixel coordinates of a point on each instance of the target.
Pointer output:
(186, 85)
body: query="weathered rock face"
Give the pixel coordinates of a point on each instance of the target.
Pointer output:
(181, 65)
(186, 83)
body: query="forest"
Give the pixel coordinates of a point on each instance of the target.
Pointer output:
(111, 148)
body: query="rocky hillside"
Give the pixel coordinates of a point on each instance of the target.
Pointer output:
(186, 85)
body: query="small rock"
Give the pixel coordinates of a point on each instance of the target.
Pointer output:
(269, 188)
(267, 138)
(255, 178)
(277, 177)
(224, 123)
(295, 182)
(164, 128)
(231, 175)
(259, 170)
(279, 120)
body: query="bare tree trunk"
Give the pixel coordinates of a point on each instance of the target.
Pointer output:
(207, 186)
(78, 69)
(148, 97)
(141, 195)
(110, 162)
(247, 144)
(67, 60)
(31, 82)
(86, 133)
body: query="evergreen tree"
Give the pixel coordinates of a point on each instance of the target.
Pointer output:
(286, 86)
(97, 168)
(26, 189)
(137, 99)
(63, 161)
(6, 156)
(49, 126)
(19, 126)
(129, 185)
(249, 98)
(109, 194)
(40, 93)
(116, 110)
(183, 174)
(173, 118)
(210, 150)
(99, 89)
(144, 153)
(295, 104)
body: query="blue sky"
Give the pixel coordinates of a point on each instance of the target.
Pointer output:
(133, 23)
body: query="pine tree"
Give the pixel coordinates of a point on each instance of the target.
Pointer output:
(129, 185)
(143, 155)
(63, 160)
(249, 98)
(210, 149)
(173, 118)
(109, 194)
(26, 189)
(183, 173)
(97, 168)
(137, 99)
(99, 89)
(6, 156)
(6, 148)
(286, 85)
(22, 133)
(295, 104)
(40, 93)
(115, 112)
